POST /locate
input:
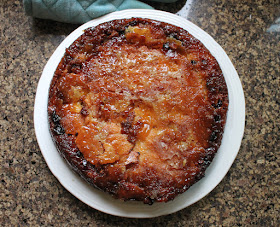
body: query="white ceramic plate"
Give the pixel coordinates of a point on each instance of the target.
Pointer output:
(216, 171)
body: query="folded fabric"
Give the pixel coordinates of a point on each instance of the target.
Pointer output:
(79, 11)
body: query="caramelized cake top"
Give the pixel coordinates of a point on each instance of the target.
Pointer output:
(138, 108)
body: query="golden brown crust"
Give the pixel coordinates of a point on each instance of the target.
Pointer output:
(137, 107)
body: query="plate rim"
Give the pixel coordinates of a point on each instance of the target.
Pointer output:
(40, 112)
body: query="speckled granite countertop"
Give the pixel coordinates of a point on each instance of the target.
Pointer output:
(248, 195)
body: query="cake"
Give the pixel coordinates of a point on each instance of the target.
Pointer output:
(137, 108)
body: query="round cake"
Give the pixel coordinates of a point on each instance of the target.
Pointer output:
(137, 107)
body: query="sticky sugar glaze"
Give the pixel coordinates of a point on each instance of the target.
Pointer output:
(137, 107)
